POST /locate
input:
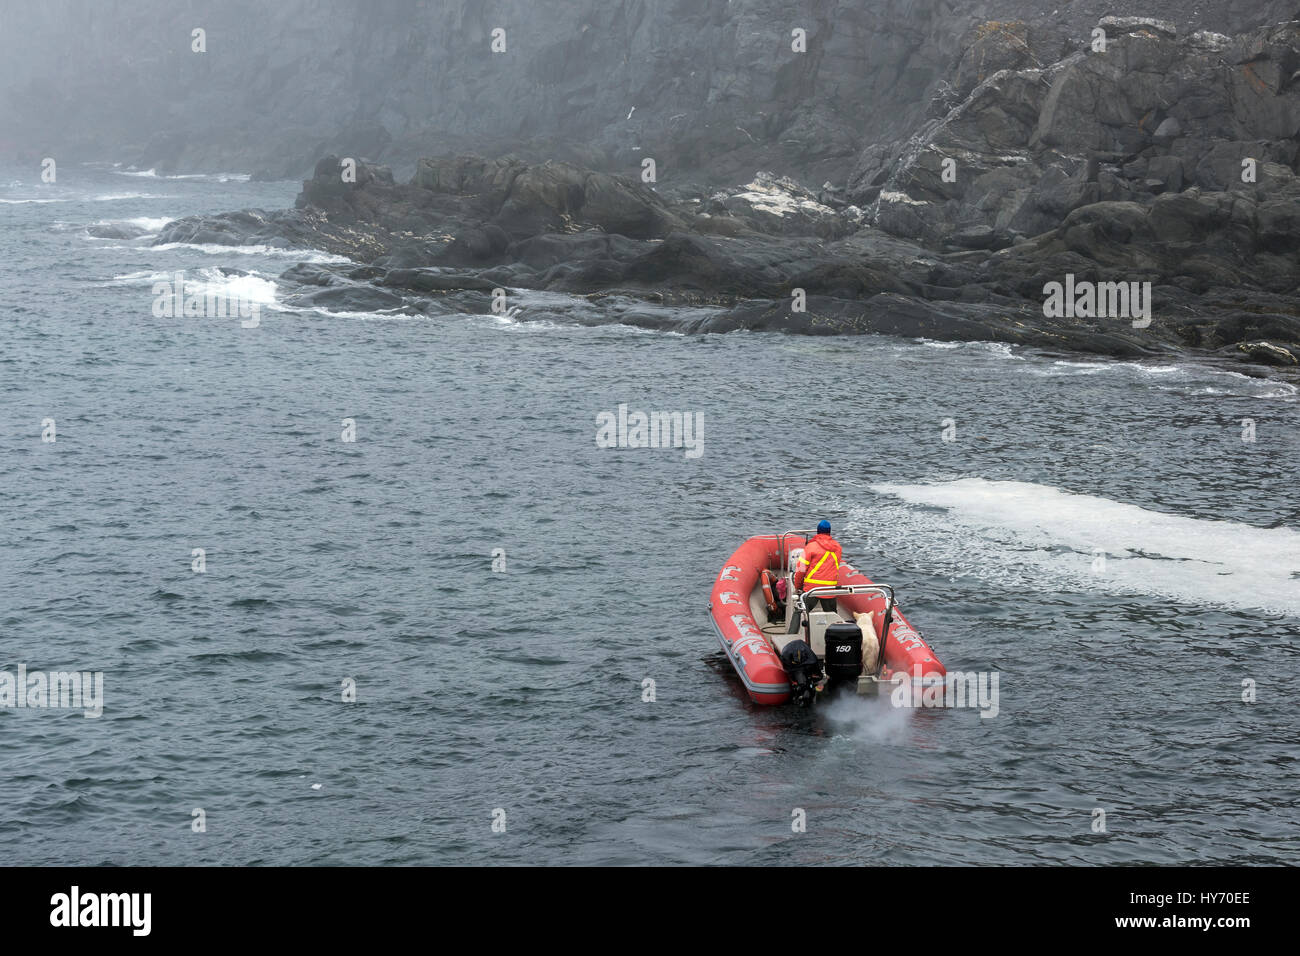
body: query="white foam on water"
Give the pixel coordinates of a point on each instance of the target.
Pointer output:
(520, 321)
(1175, 377)
(380, 315)
(536, 310)
(139, 278)
(997, 349)
(250, 288)
(1002, 349)
(215, 177)
(216, 249)
(209, 177)
(1028, 536)
(107, 197)
(1284, 391)
(1188, 390)
(256, 287)
(209, 277)
(1060, 369)
(151, 224)
(114, 197)
(516, 322)
(641, 330)
(61, 196)
(253, 288)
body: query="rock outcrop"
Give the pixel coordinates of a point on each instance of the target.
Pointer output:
(464, 226)
(1021, 142)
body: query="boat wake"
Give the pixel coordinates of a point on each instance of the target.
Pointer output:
(1025, 536)
(867, 719)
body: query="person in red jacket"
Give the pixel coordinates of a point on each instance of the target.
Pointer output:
(819, 566)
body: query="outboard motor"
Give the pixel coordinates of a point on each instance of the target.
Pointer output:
(843, 651)
(804, 670)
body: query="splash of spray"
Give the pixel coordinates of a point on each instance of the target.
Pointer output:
(868, 719)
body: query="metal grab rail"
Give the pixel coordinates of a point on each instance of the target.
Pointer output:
(784, 555)
(838, 589)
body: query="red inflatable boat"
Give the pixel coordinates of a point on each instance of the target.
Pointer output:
(767, 639)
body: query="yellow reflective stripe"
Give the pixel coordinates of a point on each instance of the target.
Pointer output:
(809, 576)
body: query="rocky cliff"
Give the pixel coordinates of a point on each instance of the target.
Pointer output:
(709, 88)
(924, 168)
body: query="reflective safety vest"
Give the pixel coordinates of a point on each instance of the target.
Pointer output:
(820, 564)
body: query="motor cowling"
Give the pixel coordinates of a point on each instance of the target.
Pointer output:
(843, 651)
(804, 670)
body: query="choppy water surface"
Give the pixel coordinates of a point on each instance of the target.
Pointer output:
(1121, 680)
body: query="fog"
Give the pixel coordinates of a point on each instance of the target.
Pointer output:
(709, 84)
